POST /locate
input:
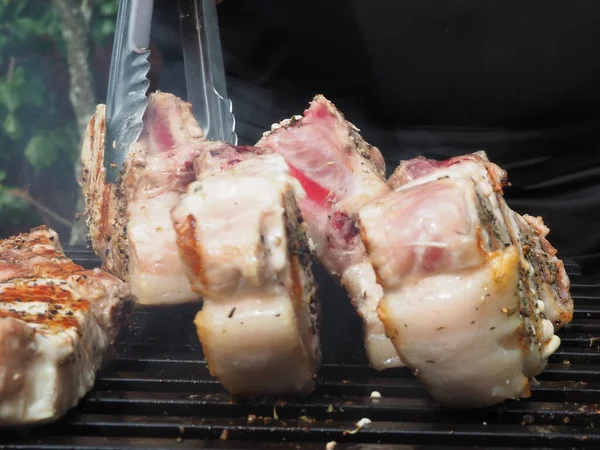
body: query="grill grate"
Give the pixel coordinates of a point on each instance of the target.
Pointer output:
(158, 394)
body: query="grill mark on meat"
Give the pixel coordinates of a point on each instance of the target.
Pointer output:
(105, 203)
(58, 322)
(37, 255)
(101, 126)
(56, 297)
(36, 246)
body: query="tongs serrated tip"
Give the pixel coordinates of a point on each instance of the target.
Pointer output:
(128, 84)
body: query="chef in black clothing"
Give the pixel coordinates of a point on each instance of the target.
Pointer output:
(520, 80)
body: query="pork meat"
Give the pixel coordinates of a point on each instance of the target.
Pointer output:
(130, 224)
(464, 301)
(245, 251)
(57, 322)
(340, 173)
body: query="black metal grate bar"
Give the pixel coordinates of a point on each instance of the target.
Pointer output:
(158, 394)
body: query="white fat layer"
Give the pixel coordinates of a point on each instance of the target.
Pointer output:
(458, 317)
(156, 272)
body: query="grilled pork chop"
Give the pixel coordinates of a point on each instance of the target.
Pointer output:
(130, 224)
(242, 241)
(57, 321)
(340, 173)
(465, 301)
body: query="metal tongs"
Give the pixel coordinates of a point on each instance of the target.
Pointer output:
(128, 84)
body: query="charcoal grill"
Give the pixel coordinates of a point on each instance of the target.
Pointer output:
(158, 394)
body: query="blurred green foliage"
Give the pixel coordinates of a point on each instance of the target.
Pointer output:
(38, 130)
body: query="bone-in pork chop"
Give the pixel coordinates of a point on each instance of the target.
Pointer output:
(245, 250)
(465, 302)
(130, 224)
(340, 173)
(57, 322)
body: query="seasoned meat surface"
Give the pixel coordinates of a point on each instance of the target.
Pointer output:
(465, 303)
(130, 224)
(57, 322)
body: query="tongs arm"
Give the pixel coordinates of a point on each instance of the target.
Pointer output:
(204, 70)
(126, 100)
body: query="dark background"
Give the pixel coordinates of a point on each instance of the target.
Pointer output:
(520, 80)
